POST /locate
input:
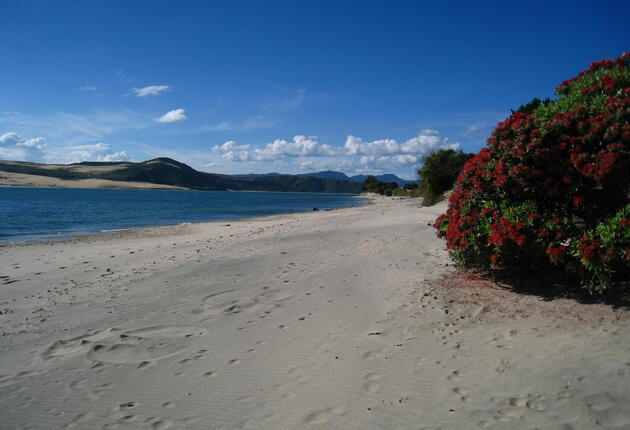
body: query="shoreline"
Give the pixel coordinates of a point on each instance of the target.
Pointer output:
(353, 318)
(87, 234)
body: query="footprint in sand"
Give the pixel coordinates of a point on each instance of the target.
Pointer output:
(324, 416)
(372, 384)
(76, 345)
(607, 410)
(512, 408)
(78, 420)
(454, 376)
(122, 353)
(464, 394)
(141, 345)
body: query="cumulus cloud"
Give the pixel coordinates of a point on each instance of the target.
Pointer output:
(13, 139)
(390, 154)
(300, 146)
(233, 151)
(356, 155)
(14, 147)
(172, 116)
(425, 142)
(151, 90)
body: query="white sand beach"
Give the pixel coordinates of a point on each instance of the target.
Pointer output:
(330, 320)
(11, 179)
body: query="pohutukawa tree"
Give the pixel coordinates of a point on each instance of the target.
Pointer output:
(551, 189)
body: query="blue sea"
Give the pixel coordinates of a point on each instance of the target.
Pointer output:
(35, 214)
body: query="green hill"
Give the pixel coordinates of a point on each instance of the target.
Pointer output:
(166, 171)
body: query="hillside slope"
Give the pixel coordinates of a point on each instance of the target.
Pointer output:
(166, 171)
(331, 174)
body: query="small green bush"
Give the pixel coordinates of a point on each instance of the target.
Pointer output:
(439, 172)
(373, 185)
(551, 190)
(406, 192)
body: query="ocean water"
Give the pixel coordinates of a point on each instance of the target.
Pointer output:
(33, 214)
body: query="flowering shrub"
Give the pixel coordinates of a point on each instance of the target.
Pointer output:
(551, 189)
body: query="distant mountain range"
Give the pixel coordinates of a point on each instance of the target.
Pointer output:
(331, 174)
(165, 171)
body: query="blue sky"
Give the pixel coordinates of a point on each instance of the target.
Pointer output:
(295, 86)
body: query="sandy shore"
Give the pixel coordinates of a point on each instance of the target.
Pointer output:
(348, 319)
(10, 179)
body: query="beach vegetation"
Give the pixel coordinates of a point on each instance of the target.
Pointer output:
(531, 106)
(439, 172)
(373, 185)
(550, 191)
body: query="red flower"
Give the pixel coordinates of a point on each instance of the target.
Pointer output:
(494, 258)
(609, 256)
(556, 254)
(588, 248)
(578, 201)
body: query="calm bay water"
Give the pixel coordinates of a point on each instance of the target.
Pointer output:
(52, 213)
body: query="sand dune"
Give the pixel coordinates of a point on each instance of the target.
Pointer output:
(10, 179)
(320, 320)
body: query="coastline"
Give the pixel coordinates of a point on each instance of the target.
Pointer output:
(337, 319)
(92, 232)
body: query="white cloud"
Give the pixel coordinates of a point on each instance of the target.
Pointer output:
(172, 116)
(356, 156)
(116, 156)
(300, 146)
(13, 139)
(424, 143)
(151, 90)
(231, 145)
(356, 146)
(88, 88)
(13, 147)
(306, 165)
(232, 151)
